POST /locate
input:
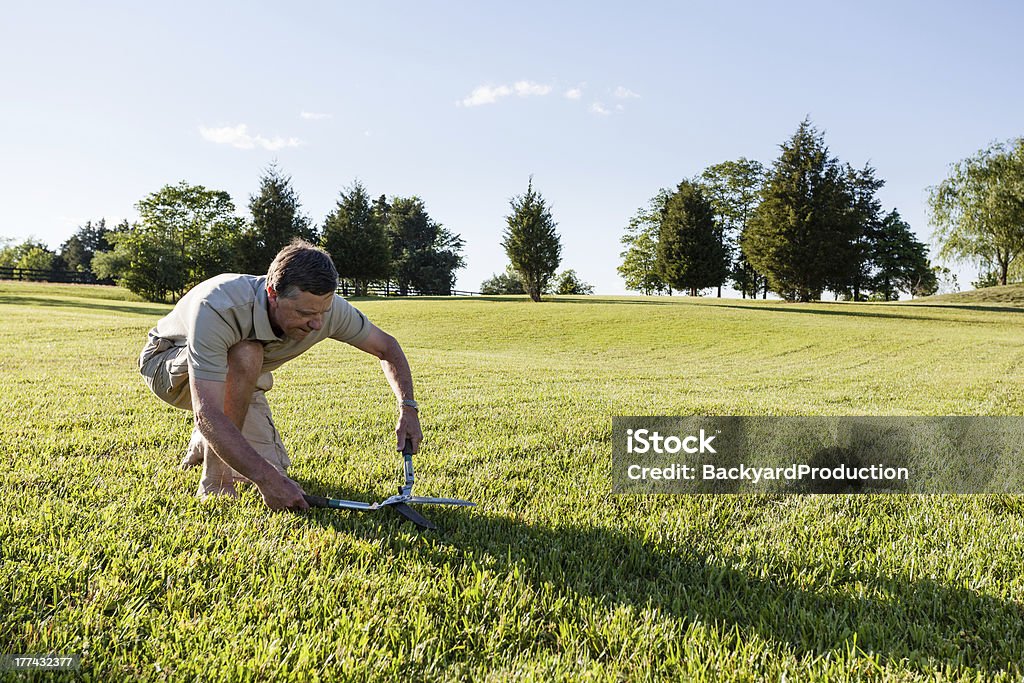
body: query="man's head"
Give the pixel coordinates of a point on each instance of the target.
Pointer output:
(300, 289)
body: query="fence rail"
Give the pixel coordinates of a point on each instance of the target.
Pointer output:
(63, 276)
(87, 278)
(390, 290)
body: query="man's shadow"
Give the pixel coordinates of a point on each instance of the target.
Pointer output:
(905, 621)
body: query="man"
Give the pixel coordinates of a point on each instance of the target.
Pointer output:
(214, 353)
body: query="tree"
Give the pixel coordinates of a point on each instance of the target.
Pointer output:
(355, 238)
(503, 283)
(79, 249)
(801, 236)
(568, 282)
(37, 258)
(185, 236)
(276, 220)
(864, 219)
(424, 254)
(734, 188)
(201, 223)
(640, 258)
(691, 252)
(144, 261)
(900, 261)
(531, 241)
(978, 211)
(13, 256)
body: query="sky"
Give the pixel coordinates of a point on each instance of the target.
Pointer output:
(460, 103)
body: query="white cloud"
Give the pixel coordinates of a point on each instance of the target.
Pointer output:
(574, 93)
(527, 88)
(315, 116)
(599, 108)
(624, 93)
(240, 138)
(486, 94)
(489, 94)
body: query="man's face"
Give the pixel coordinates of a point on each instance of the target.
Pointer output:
(296, 316)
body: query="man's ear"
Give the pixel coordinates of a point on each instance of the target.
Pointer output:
(271, 293)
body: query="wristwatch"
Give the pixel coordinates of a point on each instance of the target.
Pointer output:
(409, 403)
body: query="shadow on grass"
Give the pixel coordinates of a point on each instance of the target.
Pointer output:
(965, 307)
(18, 300)
(837, 311)
(911, 621)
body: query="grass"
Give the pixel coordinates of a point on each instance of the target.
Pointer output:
(106, 552)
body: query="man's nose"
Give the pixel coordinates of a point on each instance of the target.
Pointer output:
(315, 324)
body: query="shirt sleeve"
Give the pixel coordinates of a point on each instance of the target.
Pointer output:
(209, 338)
(348, 324)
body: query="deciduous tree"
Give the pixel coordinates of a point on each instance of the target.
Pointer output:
(734, 188)
(640, 258)
(978, 211)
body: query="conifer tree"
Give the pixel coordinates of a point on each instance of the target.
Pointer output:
(691, 253)
(355, 238)
(531, 241)
(801, 236)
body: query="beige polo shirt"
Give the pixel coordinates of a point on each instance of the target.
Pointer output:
(222, 311)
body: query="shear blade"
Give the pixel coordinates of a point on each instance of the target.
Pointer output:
(440, 501)
(413, 516)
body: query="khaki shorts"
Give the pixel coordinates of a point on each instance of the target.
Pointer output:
(164, 367)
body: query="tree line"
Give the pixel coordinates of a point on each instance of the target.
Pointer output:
(188, 233)
(811, 223)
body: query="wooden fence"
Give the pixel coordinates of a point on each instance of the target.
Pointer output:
(37, 275)
(74, 277)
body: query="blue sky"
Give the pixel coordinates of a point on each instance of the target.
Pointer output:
(460, 102)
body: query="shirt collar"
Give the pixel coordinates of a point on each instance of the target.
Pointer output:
(261, 313)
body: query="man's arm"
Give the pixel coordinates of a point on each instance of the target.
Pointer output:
(396, 369)
(279, 492)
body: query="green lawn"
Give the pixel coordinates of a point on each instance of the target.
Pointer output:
(106, 552)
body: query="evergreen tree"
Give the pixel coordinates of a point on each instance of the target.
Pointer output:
(691, 252)
(79, 249)
(864, 221)
(640, 258)
(276, 220)
(801, 236)
(355, 238)
(425, 254)
(900, 261)
(531, 241)
(734, 188)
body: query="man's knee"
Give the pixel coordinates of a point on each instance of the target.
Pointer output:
(245, 361)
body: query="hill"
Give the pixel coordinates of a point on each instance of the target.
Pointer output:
(1004, 294)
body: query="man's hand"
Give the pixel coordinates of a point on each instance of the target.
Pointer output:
(283, 494)
(408, 430)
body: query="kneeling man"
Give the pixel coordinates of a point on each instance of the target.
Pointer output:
(214, 354)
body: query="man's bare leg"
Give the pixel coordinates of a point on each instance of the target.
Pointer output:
(245, 362)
